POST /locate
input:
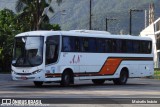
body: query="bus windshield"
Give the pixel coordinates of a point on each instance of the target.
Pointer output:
(28, 51)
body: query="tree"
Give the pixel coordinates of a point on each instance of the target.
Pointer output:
(10, 25)
(8, 28)
(31, 11)
(46, 26)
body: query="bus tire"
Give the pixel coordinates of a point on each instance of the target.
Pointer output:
(122, 80)
(38, 83)
(98, 81)
(66, 79)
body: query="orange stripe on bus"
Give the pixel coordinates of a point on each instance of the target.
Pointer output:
(110, 66)
(53, 75)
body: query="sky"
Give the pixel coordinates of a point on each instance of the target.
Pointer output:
(10, 4)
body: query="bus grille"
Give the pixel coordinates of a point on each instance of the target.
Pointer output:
(24, 73)
(20, 78)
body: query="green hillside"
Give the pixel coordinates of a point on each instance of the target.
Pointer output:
(77, 14)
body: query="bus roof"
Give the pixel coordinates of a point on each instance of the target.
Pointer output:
(82, 33)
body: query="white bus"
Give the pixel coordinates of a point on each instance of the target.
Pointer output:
(66, 56)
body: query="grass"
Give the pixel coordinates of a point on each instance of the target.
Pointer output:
(157, 74)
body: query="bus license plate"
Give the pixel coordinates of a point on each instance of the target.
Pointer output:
(23, 78)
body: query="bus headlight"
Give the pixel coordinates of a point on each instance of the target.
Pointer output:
(14, 72)
(37, 71)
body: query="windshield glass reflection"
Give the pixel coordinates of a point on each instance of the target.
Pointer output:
(28, 51)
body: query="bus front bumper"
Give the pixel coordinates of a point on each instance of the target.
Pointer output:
(34, 77)
(28, 77)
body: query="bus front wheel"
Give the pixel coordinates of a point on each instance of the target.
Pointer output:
(66, 79)
(122, 80)
(38, 83)
(98, 81)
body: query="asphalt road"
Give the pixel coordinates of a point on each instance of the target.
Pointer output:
(135, 88)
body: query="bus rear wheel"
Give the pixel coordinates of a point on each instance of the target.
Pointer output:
(98, 81)
(38, 83)
(122, 80)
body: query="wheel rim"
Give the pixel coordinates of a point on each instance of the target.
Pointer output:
(124, 77)
(67, 79)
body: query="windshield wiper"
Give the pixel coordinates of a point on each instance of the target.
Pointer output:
(17, 61)
(24, 59)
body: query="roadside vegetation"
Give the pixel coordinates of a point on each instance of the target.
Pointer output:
(157, 74)
(27, 18)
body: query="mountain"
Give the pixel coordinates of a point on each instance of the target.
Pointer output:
(9, 4)
(77, 14)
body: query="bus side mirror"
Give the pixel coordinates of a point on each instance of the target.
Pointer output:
(13, 62)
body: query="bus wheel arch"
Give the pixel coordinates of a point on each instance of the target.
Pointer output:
(67, 77)
(125, 69)
(124, 75)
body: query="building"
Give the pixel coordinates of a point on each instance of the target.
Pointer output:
(153, 31)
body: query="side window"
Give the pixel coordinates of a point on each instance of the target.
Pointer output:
(149, 47)
(143, 47)
(136, 46)
(72, 44)
(119, 46)
(92, 45)
(146, 47)
(77, 44)
(107, 45)
(129, 45)
(52, 47)
(100, 45)
(124, 50)
(66, 44)
(114, 46)
(85, 45)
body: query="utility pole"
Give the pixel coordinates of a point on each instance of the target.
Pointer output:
(130, 18)
(106, 24)
(90, 15)
(145, 19)
(151, 13)
(130, 21)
